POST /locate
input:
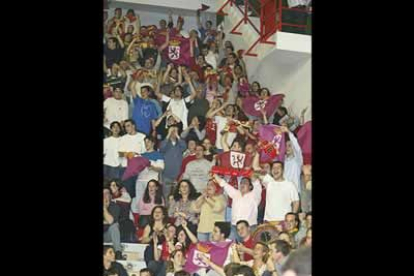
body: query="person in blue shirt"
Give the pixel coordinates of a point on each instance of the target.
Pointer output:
(145, 111)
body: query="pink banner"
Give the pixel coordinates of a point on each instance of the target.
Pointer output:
(271, 143)
(305, 142)
(135, 166)
(217, 252)
(253, 104)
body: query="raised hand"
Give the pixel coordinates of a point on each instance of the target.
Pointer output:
(284, 129)
(307, 169)
(203, 258)
(302, 216)
(304, 111)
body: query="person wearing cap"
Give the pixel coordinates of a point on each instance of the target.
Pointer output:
(145, 111)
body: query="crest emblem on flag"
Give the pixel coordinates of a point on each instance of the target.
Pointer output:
(197, 261)
(174, 52)
(237, 159)
(277, 139)
(260, 104)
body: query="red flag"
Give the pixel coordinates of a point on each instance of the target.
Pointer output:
(211, 130)
(160, 36)
(233, 163)
(178, 51)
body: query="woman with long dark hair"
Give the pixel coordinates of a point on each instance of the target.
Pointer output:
(181, 203)
(154, 232)
(153, 196)
(210, 149)
(157, 223)
(121, 197)
(162, 251)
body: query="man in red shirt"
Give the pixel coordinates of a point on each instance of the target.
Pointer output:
(245, 248)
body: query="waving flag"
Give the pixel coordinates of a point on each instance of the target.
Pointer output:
(178, 51)
(253, 104)
(271, 143)
(135, 166)
(305, 142)
(217, 252)
(160, 36)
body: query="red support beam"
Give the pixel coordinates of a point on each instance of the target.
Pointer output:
(220, 11)
(294, 25)
(233, 31)
(266, 31)
(280, 16)
(248, 52)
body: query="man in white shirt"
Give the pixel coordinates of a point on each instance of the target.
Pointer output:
(293, 160)
(112, 161)
(131, 143)
(281, 195)
(245, 202)
(177, 104)
(115, 108)
(197, 171)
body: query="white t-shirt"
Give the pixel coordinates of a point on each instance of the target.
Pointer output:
(131, 143)
(279, 198)
(293, 164)
(178, 107)
(115, 110)
(212, 59)
(244, 207)
(111, 145)
(147, 174)
(221, 123)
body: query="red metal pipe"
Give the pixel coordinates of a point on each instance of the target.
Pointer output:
(233, 31)
(294, 25)
(220, 11)
(261, 23)
(246, 2)
(280, 15)
(251, 47)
